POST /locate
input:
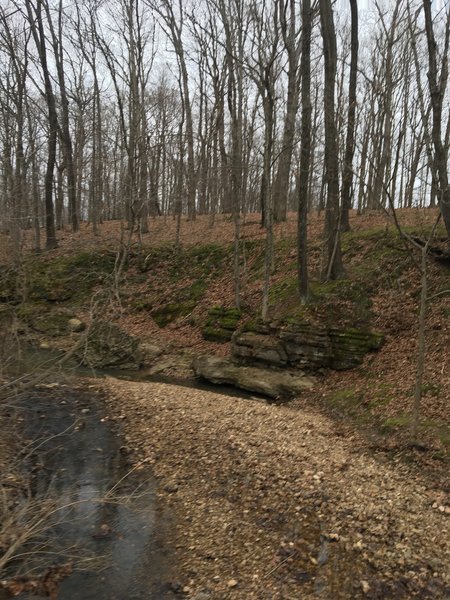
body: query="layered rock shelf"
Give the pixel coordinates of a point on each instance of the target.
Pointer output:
(303, 346)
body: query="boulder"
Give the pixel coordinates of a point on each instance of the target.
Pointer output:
(107, 346)
(149, 351)
(270, 382)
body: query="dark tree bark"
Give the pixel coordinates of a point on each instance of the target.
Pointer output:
(37, 28)
(437, 84)
(305, 153)
(347, 177)
(332, 217)
(281, 183)
(64, 129)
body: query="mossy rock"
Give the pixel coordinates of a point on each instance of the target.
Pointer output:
(108, 346)
(42, 320)
(221, 324)
(216, 334)
(170, 312)
(349, 346)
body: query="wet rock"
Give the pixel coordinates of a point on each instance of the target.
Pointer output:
(276, 384)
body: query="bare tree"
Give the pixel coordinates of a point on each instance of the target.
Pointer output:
(437, 84)
(332, 212)
(36, 22)
(172, 17)
(347, 176)
(305, 153)
(290, 34)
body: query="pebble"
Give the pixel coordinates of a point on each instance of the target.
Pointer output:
(232, 583)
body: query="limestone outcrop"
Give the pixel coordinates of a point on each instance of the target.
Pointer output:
(270, 382)
(303, 346)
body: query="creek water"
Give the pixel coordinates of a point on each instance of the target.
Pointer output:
(106, 520)
(106, 523)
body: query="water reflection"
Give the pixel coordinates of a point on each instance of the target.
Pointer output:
(112, 533)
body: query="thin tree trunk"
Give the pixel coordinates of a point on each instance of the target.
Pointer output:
(305, 155)
(347, 177)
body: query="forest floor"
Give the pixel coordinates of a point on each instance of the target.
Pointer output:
(276, 502)
(324, 496)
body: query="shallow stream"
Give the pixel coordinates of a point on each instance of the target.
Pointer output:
(106, 522)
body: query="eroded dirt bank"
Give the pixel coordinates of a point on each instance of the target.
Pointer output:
(272, 503)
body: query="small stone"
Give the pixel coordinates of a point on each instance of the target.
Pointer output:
(75, 325)
(171, 488)
(365, 587)
(232, 583)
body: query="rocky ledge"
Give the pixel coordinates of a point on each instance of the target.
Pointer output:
(273, 383)
(303, 346)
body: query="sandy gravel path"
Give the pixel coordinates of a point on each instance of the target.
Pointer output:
(271, 503)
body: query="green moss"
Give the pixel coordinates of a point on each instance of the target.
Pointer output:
(381, 394)
(67, 277)
(8, 284)
(352, 241)
(200, 262)
(351, 403)
(221, 323)
(436, 428)
(432, 389)
(154, 257)
(444, 436)
(140, 304)
(287, 288)
(39, 318)
(351, 345)
(395, 422)
(216, 334)
(251, 325)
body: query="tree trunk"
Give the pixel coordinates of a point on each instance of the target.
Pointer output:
(305, 154)
(437, 93)
(332, 216)
(347, 177)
